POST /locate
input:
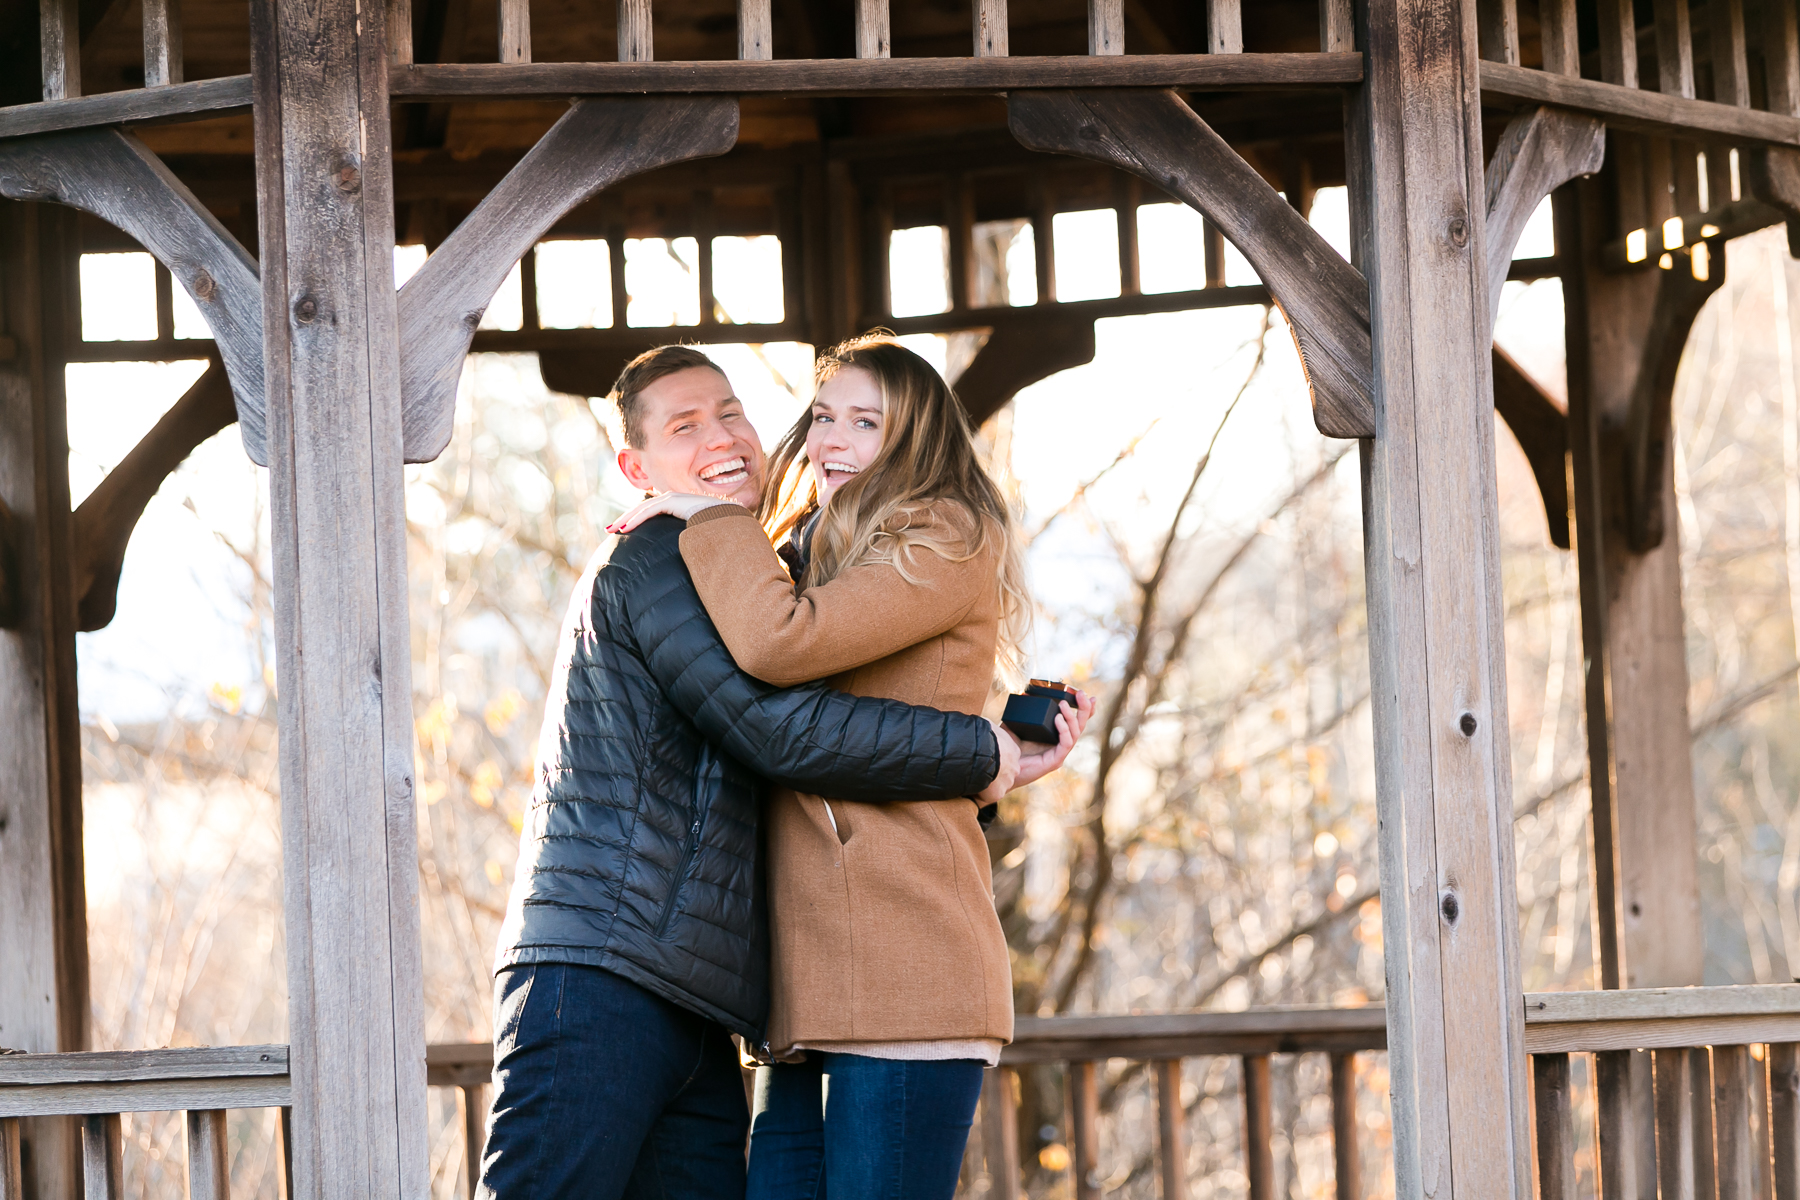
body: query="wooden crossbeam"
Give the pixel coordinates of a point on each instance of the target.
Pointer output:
(595, 144)
(143, 106)
(1633, 109)
(1157, 136)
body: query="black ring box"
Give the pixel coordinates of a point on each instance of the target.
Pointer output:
(1031, 715)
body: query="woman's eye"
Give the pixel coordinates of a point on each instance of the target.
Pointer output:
(821, 419)
(865, 423)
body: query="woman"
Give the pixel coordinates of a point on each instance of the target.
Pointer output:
(891, 983)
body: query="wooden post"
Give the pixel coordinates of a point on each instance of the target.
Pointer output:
(515, 30)
(1337, 26)
(162, 42)
(102, 1158)
(1224, 27)
(1498, 22)
(349, 841)
(1618, 42)
(1084, 1129)
(1700, 1084)
(756, 34)
(1731, 71)
(1171, 1129)
(1555, 1127)
(1674, 48)
(1106, 26)
(209, 1163)
(1557, 28)
(474, 1117)
(1732, 1072)
(1000, 1131)
(635, 41)
(872, 29)
(990, 28)
(1258, 1150)
(59, 42)
(1436, 615)
(1346, 1152)
(1784, 1118)
(43, 937)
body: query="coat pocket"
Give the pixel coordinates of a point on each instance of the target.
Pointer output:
(672, 902)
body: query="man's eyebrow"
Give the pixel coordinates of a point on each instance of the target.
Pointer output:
(683, 415)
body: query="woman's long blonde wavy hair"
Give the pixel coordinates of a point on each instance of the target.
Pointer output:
(927, 454)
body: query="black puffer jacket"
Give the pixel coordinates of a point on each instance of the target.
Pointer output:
(640, 852)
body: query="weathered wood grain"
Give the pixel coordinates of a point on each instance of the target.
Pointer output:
(1337, 26)
(156, 1095)
(1618, 42)
(596, 143)
(1629, 108)
(1000, 1132)
(636, 40)
(162, 43)
(1224, 26)
(756, 32)
(1537, 153)
(59, 47)
(1730, 56)
(146, 106)
(1497, 25)
(1346, 1150)
(474, 1120)
(12, 1166)
(1784, 1118)
(112, 175)
(988, 24)
(102, 1158)
(1084, 1130)
(143, 1066)
(1781, 57)
(879, 76)
(1541, 426)
(1555, 1127)
(1674, 48)
(208, 1155)
(1674, 1126)
(1616, 1130)
(1156, 136)
(1171, 1130)
(399, 32)
(1106, 26)
(871, 29)
(1557, 32)
(1732, 1067)
(1258, 1128)
(514, 19)
(1014, 358)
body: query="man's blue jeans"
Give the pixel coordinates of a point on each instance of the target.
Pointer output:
(850, 1127)
(605, 1092)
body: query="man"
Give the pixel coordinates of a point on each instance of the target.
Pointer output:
(634, 941)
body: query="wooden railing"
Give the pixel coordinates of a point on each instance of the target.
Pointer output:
(1695, 1091)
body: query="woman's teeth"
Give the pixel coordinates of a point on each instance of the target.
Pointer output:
(838, 468)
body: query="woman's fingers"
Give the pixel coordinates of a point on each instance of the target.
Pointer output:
(638, 514)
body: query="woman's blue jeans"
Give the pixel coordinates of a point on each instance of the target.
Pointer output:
(850, 1127)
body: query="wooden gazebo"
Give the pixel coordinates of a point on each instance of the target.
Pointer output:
(269, 155)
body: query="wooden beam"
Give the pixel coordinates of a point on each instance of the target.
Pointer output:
(593, 145)
(1013, 359)
(1224, 27)
(885, 76)
(988, 23)
(1542, 429)
(59, 47)
(399, 32)
(205, 98)
(1456, 1048)
(343, 648)
(873, 39)
(636, 37)
(1629, 108)
(1157, 136)
(12, 1161)
(1784, 1118)
(162, 42)
(112, 175)
(1538, 153)
(1106, 26)
(756, 31)
(1258, 1129)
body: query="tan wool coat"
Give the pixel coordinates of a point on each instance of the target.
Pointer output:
(883, 930)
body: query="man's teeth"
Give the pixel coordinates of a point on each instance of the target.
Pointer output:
(733, 466)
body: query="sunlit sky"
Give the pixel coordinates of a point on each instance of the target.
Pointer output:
(1165, 379)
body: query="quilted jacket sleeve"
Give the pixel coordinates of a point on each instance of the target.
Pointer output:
(812, 738)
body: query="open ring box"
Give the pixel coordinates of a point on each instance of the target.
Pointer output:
(1031, 715)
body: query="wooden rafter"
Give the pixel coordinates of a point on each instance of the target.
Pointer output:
(596, 143)
(1157, 136)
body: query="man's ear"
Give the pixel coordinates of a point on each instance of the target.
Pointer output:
(632, 467)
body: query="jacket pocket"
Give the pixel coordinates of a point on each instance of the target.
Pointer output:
(672, 902)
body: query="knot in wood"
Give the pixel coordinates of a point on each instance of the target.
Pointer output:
(348, 180)
(1450, 907)
(1468, 724)
(1088, 133)
(306, 310)
(204, 286)
(1459, 232)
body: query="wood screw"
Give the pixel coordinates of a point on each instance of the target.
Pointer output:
(1467, 724)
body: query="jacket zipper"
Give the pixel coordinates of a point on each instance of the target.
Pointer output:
(681, 870)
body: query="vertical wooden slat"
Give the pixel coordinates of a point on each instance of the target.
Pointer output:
(1781, 57)
(1171, 1126)
(1784, 1119)
(1761, 1149)
(1700, 1081)
(1128, 190)
(1616, 1133)
(1730, 69)
(1214, 241)
(615, 264)
(356, 1022)
(1258, 1149)
(1674, 1125)
(1000, 1132)
(872, 29)
(209, 1165)
(990, 28)
(959, 230)
(1497, 30)
(1346, 1152)
(703, 239)
(59, 43)
(635, 41)
(1555, 1127)
(1106, 26)
(756, 31)
(514, 18)
(162, 42)
(399, 32)
(474, 1118)
(1718, 176)
(1337, 26)
(528, 295)
(12, 1168)
(102, 1158)
(1618, 43)
(284, 1134)
(165, 304)
(880, 247)
(1732, 1072)
(1659, 191)
(1043, 238)
(1626, 150)
(1674, 48)
(1084, 1129)
(1558, 33)
(1685, 181)
(794, 304)
(1224, 27)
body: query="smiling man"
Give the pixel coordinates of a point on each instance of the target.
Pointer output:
(635, 939)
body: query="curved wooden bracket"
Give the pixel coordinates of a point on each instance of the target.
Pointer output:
(595, 144)
(1540, 151)
(1155, 135)
(1772, 175)
(1541, 426)
(112, 175)
(104, 521)
(1014, 358)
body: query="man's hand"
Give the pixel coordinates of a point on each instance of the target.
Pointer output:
(676, 504)
(1069, 725)
(1009, 765)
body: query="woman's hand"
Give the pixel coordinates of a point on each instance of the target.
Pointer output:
(1009, 765)
(1069, 725)
(676, 504)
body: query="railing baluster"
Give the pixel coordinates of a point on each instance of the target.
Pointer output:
(1730, 60)
(1345, 1151)
(209, 1168)
(1171, 1125)
(1000, 1132)
(1106, 26)
(12, 1171)
(102, 1158)
(872, 29)
(756, 30)
(162, 42)
(1497, 30)
(1224, 26)
(615, 262)
(703, 242)
(1674, 49)
(284, 1130)
(1555, 1126)
(1760, 1149)
(1128, 191)
(1259, 1153)
(1731, 1070)
(1701, 1080)
(1674, 1125)
(1616, 1132)
(1784, 1118)
(1557, 32)
(399, 32)
(1043, 238)
(959, 230)
(990, 28)
(528, 296)
(1214, 241)
(1084, 1129)
(59, 41)
(1337, 26)
(1618, 43)
(635, 41)
(474, 1115)
(515, 30)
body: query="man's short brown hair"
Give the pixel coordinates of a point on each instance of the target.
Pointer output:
(645, 370)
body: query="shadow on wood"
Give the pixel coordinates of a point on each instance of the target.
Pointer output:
(1542, 427)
